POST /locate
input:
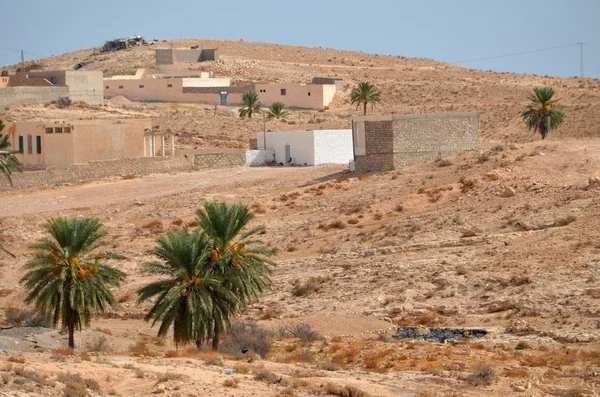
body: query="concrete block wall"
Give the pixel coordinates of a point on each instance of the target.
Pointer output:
(406, 139)
(16, 96)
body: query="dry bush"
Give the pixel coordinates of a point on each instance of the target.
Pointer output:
(104, 331)
(139, 373)
(25, 318)
(231, 382)
(125, 298)
(483, 374)
(76, 385)
(310, 286)
(100, 344)
(377, 216)
(241, 369)
(328, 366)
(444, 163)
(353, 221)
(177, 222)
(7, 367)
(399, 207)
(257, 208)
(141, 348)
(461, 270)
(5, 378)
(267, 376)
(213, 360)
(483, 157)
(467, 184)
(337, 224)
(340, 179)
(301, 330)
(17, 359)
(343, 391)
(575, 392)
(246, 336)
(516, 373)
(345, 356)
(564, 221)
(168, 376)
(269, 313)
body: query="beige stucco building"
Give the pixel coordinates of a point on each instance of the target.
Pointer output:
(41, 144)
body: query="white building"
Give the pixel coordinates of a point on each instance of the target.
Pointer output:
(303, 148)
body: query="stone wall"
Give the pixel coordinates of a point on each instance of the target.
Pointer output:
(220, 160)
(97, 170)
(16, 96)
(401, 140)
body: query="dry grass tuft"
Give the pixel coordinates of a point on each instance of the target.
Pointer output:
(231, 382)
(310, 286)
(483, 374)
(343, 391)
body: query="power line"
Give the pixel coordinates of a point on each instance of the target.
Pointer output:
(26, 52)
(518, 53)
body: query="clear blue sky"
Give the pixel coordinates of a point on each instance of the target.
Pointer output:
(444, 30)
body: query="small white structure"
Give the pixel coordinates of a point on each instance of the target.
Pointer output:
(304, 147)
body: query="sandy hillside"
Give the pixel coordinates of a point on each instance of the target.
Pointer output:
(407, 85)
(505, 241)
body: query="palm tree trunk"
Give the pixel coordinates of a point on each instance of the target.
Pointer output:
(215, 340)
(365, 107)
(70, 326)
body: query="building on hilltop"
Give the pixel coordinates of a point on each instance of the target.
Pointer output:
(384, 143)
(42, 144)
(37, 87)
(168, 59)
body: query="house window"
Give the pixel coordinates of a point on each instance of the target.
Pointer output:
(21, 149)
(58, 130)
(49, 130)
(141, 86)
(283, 91)
(169, 85)
(67, 130)
(121, 87)
(309, 94)
(53, 80)
(29, 144)
(38, 143)
(108, 87)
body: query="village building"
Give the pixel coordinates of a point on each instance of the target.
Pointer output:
(37, 87)
(55, 143)
(301, 147)
(385, 143)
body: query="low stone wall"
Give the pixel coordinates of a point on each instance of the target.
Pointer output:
(17, 96)
(220, 160)
(97, 170)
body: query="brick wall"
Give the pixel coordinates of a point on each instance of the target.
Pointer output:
(407, 139)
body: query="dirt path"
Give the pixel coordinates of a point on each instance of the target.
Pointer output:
(106, 192)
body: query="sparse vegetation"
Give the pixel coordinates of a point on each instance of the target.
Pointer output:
(251, 105)
(543, 112)
(276, 111)
(364, 94)
(483, 374)
(246, 336)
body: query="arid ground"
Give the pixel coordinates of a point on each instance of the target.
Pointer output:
(505, 240)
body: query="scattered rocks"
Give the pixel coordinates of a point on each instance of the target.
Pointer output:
(507, 191)
(439, 334)
(593, 183)
(159, 389)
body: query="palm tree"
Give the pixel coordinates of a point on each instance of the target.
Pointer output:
(68, 278)
(190, 293)
(276, 111)
(236, 256)
(8, 161)
(365, 93)
(543, 113)
(251, 104)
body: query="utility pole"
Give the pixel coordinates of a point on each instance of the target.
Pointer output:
(22, 61)
(264, 130)
(581, 59)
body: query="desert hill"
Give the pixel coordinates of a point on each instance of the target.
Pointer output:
(408, 86)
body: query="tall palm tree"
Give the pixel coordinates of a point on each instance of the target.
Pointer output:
(363, 94)
(191, 292)
(543, 113)
(68, 278)
(251, 104)
(236, 255)
(8, 161)
(276, 111)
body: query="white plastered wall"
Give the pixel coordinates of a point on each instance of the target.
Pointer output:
(333, 147)
(301, 146)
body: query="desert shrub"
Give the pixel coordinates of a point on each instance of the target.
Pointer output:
(264, 375)
(353, 221)
(310, 286)
(212, 360)
(482, 158)
(565, 221)
(17, 359)
(125, 298)
(444, 163)
(302, 331)
(139, 373)
(461, 270)
(498, 148)
(100, 344)
(5, 378)
(521, 346)
(104, 331)
(483, 374)
(399, 207)
(25, 318)
(230, 382)
(63, 102)
(241, 369)
(466, 184)
(246, 336)
(168, 376)
(76, 385)
(337, 224)
(343, 391)
(140, 348)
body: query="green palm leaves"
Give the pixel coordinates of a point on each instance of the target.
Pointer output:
(363, 94)
(276, 111)
(251, 104)
(543, 112)
(8, 161)
(210, 274)
(68, 278)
